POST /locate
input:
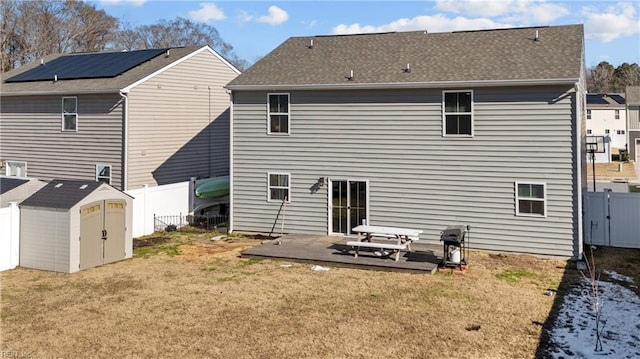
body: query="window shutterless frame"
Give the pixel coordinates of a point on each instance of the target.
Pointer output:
(278, 114)
(69, 117)
(103, 173)
(16, 168)
(531, 199)
(278, 186)
(457, 113)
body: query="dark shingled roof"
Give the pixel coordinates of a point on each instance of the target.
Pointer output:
(64, 196)
(633, 95)
(89, 85)
(8, 183)
(486, 55)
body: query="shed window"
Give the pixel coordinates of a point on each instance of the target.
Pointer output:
(531, 199)
(69, 114)
(16, 169)
(457, 115)
(103, 173)
(278, 113)
(278, 187)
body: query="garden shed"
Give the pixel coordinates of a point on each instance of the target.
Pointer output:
(71, 225)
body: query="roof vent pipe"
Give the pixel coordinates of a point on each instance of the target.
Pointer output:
(55, 78)
(350, 77)
(310, 44)
(167, 55)
(537, 38)
(407, 69)
(41, 61)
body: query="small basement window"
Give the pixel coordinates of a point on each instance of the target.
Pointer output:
(531, 199)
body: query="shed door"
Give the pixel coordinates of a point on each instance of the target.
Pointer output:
(91, 223)
(114, 226)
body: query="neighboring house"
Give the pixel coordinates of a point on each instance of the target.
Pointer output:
(633, 116)
(126, 118)
(418, 130)
(607, 117)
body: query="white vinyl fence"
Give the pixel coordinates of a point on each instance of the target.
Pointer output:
(166, 200)
(613, 219)
(9, 237)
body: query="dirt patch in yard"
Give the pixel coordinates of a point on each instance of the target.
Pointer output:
(609, 171)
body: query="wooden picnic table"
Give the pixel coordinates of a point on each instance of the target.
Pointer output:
(403, 236)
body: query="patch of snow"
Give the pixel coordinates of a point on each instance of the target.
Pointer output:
(574, 333)
(617, 276)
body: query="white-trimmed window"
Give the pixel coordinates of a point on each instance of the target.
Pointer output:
(278, 187)
(620, 132)
(607, 131)
(278, 113)
(457, 113)
(617, 114)
(531, 199)
(588, 114)
(103, 173)
(69, 114)
(16, 169)
(589, 131)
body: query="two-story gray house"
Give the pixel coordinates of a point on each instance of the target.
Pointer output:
(633, 121)
(150, 117)
(419, 130)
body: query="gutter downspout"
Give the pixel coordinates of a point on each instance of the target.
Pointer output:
(125, 141)
(230, 161)
(582, 210)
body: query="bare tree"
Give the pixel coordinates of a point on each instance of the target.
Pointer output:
(599, 78)
(33, 29)
(173, 33)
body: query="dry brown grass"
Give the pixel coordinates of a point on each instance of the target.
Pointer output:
(609, 171)
(208, 302)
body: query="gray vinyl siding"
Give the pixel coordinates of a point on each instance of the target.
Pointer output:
(417, 178)
(179, 123)
(634, 117)
(31, 132)
(45, 245)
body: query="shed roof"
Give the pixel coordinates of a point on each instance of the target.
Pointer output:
(99, 81)
(421, 58)
(62, 193)
(9, 183)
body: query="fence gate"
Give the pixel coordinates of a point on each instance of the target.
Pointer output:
(613, 219)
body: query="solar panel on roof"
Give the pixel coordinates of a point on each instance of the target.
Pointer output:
(617, 98)
(87, 66)
(596, 99)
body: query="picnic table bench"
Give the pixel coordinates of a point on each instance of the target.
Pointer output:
(403, 236)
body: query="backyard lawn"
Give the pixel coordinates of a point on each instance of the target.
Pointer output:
(184, 295)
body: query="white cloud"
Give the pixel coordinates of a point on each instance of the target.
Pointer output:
(244, 16)
(615, 22)
(276, 16)
(520, 11)
(431, 23)
(207, 12)
(118, 2)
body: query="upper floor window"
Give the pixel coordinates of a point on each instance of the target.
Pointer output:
(103, 173)
(607, 131)
(531, 199)
(16, 169)
(588, 114)
(278, 187)
(457, 115)
(69, 114)
(588, 131)
(278, 113)
(617, 114)
(620, 132)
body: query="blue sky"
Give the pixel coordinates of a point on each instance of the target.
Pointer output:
(254, 28)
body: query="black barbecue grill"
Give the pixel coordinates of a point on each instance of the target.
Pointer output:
(456, 246)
